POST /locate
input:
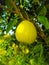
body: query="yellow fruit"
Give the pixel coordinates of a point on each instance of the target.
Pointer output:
(26, 32)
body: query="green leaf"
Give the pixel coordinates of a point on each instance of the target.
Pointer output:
(11, 24)
(37, 1)
(1, 63)
(32, 62)
(43, 11)
(43, 20)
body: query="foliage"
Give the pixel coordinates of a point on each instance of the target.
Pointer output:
(12, 13)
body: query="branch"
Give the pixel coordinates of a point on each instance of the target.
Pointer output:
(17, 10)
(40, 33)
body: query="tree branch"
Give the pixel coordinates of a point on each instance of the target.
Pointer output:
(17, 10)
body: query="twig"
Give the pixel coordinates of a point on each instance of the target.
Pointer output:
(41, 33)
(27, 16)
(17, 9)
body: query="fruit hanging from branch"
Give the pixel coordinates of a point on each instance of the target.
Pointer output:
(26, 32)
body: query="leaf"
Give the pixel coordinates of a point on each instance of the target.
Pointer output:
(40, 49)
(43, 20)
(32, 61)
(1, 63)
(11, 24)
(37, 1)
(43, 11)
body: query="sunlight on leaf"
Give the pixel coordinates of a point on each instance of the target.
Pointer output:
(43, 20)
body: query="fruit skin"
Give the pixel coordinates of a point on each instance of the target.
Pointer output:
(26, 32)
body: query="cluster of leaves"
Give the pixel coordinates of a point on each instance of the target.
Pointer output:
(14, 53)
(11, 51)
